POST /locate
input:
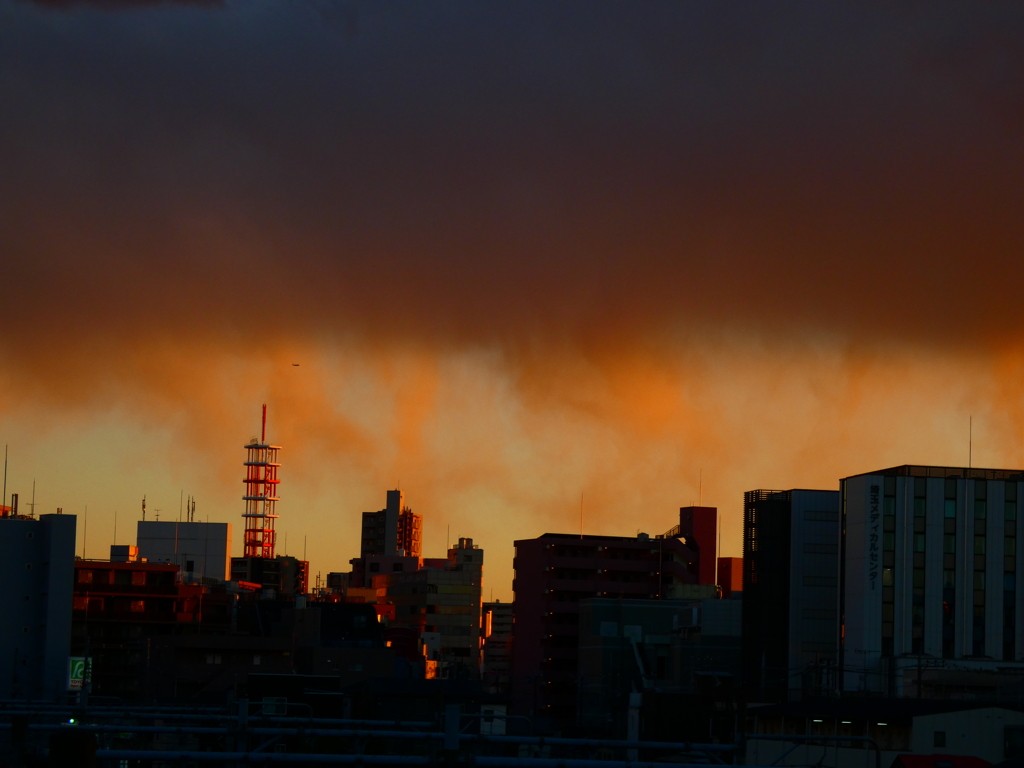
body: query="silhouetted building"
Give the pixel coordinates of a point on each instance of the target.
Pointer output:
(496, 630)
(631, 650)
(285, 575)
(271, 637)
(553, 573)
(120, 607)
(730, 575)
(790, 593)
(199, 549)
(931, 583)
(37, 574)
(441, 598)
(393, 532)
(699, 526)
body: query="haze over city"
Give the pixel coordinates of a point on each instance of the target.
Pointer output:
(652, 253)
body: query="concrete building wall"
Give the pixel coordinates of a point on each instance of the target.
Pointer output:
(975, 732)
(699, 526)
(204, 546)
(791, 592)
(814, 581)
(37, 572)
(553, 573)
(730, 575)
(931, 571)
(442, 597)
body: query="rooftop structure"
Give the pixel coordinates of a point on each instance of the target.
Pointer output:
(201, 550)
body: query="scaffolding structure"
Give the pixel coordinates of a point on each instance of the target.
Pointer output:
(261, 495)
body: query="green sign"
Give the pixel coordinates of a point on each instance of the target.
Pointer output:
(79, 672)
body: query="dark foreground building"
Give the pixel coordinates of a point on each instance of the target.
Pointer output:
(553, 574)
(790, 593)
(35, 635)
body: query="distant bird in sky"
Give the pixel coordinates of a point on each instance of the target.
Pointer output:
(295, 364)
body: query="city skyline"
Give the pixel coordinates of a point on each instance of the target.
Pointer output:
(655, 258)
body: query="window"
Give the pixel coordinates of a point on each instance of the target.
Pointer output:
(1009, 546)
(949, 508)
(190, 565)
(138, 578)
(949, 543)
(979, 579)
(979, 545)
(396, 567)
(256, 660)
(949, 579)
(919, 507)
(85, 577)
(213, 658)
(939, 739)
(374, 567)
(138, 606)
(1010, 510)
(919, 542)
(980, 510)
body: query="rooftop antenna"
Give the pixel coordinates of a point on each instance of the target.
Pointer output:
(33, 502)
(263, 432)
(85, 529)
(3, 502)
(181, 502)
(115, 527)
(143, 508)
(304, 547)
(581, 514)
(970, 440)
(192, 519)
(700, 488)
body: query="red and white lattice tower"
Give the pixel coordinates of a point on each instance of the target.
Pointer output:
(260, 495)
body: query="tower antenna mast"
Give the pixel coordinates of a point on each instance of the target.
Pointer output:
(261, 495)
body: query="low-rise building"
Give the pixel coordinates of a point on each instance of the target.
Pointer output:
(895, 726)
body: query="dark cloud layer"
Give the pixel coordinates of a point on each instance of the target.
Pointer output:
(480, 172)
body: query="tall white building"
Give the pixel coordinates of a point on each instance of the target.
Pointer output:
(200, 549)
(929, 582)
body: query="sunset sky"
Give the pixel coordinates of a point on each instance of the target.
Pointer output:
(520, 251)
